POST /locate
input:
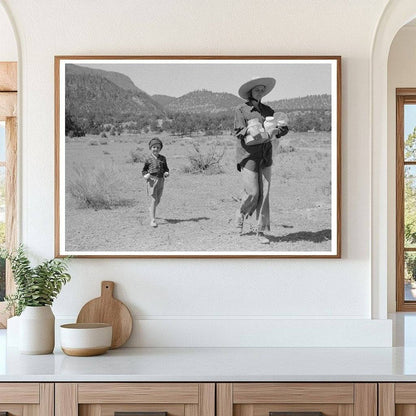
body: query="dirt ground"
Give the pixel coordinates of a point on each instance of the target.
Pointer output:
(197, 210)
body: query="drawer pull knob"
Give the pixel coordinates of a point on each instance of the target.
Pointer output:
(140, 414)
(296, 414)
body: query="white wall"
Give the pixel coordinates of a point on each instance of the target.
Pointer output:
(401, 74)
(8, 46)
(179, 302)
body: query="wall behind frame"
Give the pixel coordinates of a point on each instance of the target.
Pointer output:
(211, 302)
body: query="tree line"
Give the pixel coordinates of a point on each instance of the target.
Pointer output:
(185, 123)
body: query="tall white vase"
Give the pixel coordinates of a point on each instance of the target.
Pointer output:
(37, 330)
(13, 332)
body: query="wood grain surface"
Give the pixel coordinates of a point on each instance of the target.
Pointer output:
(107, 309)
(107, 393)
(252, 393)
(405, 393)
(8, 105)
(365, 399)
(8, 76)
(386, 399)
(224, 399)
(66, 399)
(27, 393)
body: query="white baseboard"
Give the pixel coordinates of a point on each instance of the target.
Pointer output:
(248, 332)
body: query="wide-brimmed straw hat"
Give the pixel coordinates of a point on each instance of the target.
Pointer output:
(245, 89)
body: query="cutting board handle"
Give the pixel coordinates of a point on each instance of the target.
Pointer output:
(107, 289)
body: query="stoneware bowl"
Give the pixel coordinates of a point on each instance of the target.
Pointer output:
(83, 340)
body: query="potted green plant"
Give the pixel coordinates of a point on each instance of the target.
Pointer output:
(36, 289)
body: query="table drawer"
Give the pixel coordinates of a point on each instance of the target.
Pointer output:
(22, 399)
(296, 399)
(397, 399)
(148, 399)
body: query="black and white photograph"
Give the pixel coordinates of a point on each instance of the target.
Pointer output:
(197, 156)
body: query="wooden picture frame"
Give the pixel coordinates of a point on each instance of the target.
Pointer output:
(108, 108)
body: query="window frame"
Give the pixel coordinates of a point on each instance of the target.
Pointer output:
(8, 113)
(403, 96)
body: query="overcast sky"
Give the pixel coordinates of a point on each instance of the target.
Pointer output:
(176, 79)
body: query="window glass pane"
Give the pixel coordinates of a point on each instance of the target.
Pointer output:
(2, 207)
(410, 206)
(410, 275)
(410, 132)
(2, 230)
(2, 141)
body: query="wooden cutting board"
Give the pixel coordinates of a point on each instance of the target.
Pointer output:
(107, 309)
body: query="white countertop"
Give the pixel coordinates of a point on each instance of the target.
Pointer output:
(213, 364)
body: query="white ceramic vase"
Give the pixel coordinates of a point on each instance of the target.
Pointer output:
(37, 330)
(13, 331)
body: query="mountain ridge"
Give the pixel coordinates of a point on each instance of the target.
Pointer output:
(96, 98)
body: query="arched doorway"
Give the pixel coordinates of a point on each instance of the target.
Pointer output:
(396, 14)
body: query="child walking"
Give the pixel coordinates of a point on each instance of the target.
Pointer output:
(155, 170)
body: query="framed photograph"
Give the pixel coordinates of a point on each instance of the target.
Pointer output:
(198, 156)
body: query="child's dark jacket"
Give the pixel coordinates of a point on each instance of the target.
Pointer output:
(155, 166)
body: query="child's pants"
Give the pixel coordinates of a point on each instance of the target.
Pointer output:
(155, 187)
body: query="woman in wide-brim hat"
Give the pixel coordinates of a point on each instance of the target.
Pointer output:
(255, 161)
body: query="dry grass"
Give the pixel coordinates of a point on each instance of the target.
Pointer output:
(197, 210)
(98, 187)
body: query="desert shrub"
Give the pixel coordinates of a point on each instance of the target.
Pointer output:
(284, 149)
(103, 141)
(98, 187)
(103, 135)
(137, 156)
(93, 142)
(205, 162)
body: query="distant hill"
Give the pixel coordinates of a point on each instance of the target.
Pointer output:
(97, 96)
(204, 101)
(163, 100)
(307, 103)
(98, 100)
(121, 80)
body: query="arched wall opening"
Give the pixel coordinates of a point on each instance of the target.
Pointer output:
(401, 73)
(396, 14)
(8, 44)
